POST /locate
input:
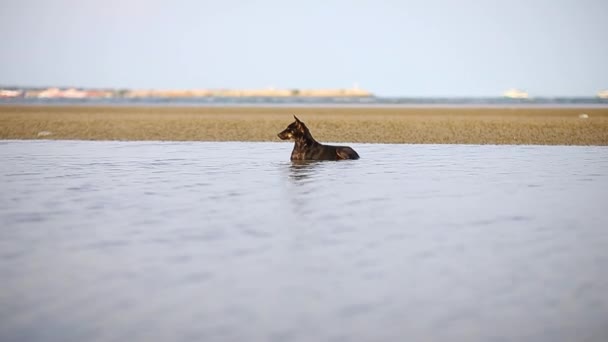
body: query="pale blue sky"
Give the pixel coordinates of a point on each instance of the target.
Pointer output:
(392, 48)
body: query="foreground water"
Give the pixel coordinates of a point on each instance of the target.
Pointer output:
(157, 241)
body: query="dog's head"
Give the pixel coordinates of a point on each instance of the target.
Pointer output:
(295, 130)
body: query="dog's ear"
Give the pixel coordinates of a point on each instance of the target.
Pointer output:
(297, 120)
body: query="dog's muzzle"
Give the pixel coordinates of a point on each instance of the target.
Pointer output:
(284, 135)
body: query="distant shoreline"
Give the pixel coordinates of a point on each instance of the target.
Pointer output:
(444, 124)
(169, 104)
(119, 93)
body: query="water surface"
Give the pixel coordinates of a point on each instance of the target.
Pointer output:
(162, 241)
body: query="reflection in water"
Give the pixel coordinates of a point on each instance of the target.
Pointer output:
(414, 242)
(301, 170)
(302, 175)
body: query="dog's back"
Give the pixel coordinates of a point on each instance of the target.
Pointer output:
(324, 152)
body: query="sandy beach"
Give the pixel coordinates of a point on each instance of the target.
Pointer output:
(432, 125)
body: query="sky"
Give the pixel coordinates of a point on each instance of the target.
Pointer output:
(391, 48)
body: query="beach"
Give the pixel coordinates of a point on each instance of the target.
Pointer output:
(408, 125)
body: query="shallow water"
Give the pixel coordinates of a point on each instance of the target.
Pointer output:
(159, 241)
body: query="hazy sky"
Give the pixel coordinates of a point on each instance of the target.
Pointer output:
(392, 48)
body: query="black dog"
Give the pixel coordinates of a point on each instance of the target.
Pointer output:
(307, 148)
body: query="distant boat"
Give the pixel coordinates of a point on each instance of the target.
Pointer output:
(515, 94)
(603, 94)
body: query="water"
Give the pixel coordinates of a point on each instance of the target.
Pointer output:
(159, 241)
(371, 101)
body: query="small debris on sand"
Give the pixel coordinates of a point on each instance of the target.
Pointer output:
(44, 133)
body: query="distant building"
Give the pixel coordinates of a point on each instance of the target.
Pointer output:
(49, 93)
(603, 94)
(56, 93)
(96, 94)
(73, 93)
(8, 93)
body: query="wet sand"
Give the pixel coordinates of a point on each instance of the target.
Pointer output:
(429, 125)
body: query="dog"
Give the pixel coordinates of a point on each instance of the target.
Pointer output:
(307, 148)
